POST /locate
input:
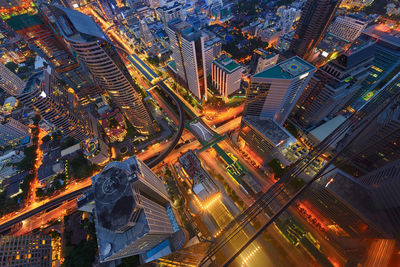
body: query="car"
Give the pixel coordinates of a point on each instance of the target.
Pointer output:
(298, 154)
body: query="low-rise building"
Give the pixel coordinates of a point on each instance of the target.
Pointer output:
(264, 138)
(265, 59)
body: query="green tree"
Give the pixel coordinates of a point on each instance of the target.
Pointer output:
(36, 119)
(131, 261)
(12, 66)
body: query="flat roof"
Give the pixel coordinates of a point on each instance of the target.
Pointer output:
(23, 21)
(172, 65)
(143, 67)
(327, 128)
(288, 69)
(82, 25)
(268, 128)
(227, 63)
(384, 33)
(203, 185)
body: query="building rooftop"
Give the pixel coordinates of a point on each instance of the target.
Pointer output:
(121, 212)
(275, 133)
(288, 69)
(114, 196)
(265, 54)
(321, 132)
(185, 29)
(76, 25)
(51, 165)
(23, 21)
(203, 185)
(34, 82)
(227, 63)
(384, 33)
(172, 65)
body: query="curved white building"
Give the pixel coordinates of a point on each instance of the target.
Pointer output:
(94, 48)
(47, 96)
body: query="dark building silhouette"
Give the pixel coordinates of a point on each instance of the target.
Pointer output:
(315, 18)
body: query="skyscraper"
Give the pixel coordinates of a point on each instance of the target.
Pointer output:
(40, 34)
(48, 96)
(334, 84)
(187, 45)
(12, 131)
(226, 76)
(100, 56)
(385, 188)
(315, 18)
(131, 209)
(273, 92)
(26, 250)
(9, 81)
(379, 143)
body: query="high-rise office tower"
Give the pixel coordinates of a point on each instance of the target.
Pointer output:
(288, 17)
(226, 76)
(315, 18)
(12, 131)
(385, 64)
(347, 28)
(48, 96)
(334, 84)
(102, 59)
(9, 81)
(273, 92)
(145, 33)
(41, 35)
(379, 142)
(187, 45)
(25, 250)
(384, 184)
(131, 209)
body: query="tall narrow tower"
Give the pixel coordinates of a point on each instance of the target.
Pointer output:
(187, 45)
(49, 97)
(100, 56)
(274, 92)
(315, 18)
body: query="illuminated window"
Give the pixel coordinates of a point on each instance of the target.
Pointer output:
(377, 69)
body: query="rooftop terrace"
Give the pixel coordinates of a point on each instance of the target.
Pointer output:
(287, 69)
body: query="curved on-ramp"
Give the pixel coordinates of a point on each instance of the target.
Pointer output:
(178, 135)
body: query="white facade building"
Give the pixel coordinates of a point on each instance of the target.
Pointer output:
(347, 28)
(274, 92)
(226, 76)
(265, 60)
